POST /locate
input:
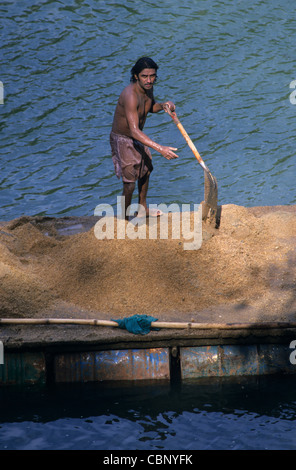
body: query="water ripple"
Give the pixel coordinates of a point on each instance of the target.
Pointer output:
(227, 68)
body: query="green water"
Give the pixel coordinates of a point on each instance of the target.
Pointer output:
(227, 66)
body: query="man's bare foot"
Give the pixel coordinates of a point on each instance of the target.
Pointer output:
(149, 213)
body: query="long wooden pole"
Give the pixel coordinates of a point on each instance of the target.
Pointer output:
(186, 137)
(211, 185)
(173, 325)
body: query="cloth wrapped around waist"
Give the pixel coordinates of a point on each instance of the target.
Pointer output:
(131, 159)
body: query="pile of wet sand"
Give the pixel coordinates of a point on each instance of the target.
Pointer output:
(245, 271)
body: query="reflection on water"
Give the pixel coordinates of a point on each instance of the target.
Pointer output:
(245, 413)
(226, 66)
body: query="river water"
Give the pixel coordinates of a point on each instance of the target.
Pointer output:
(237, 414)
(229, 67)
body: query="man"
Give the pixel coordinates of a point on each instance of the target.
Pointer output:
(130, 146)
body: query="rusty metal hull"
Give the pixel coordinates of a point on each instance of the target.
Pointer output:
(149, 364)
(234, 360)
(23, 369)
(121, 365)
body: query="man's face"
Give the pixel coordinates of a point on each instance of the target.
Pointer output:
(146, 78)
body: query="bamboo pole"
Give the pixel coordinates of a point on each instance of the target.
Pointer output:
(57, 321)
(172, 325)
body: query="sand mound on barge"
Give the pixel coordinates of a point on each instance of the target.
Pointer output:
(245, 271)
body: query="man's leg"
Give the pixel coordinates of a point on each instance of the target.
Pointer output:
(143, 184)
(143, 190)
(128, 189)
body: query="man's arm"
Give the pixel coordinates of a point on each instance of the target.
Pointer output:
(156, 107)
(132, 117)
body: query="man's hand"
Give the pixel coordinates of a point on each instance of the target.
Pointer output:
(167, 152)
(170, 104)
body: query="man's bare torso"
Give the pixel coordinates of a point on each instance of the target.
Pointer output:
(132, 109)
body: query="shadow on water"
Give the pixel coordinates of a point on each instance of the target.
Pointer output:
(226, 414)
(263, 395)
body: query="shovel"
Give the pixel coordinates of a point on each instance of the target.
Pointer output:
(210, 208)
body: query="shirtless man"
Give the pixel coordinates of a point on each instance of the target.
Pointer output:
(130, 146)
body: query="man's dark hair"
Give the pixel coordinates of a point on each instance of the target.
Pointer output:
(141, 64)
